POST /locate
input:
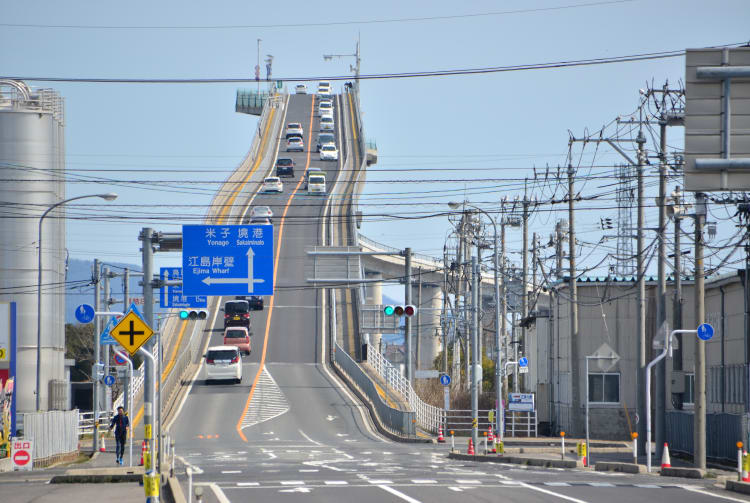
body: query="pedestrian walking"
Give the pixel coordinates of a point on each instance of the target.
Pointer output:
(120, 423)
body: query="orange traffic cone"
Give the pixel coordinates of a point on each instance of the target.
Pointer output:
(143, 451)
(471, 447)
(491, 441)
(441, 438)
(665, 461)
(102, 447)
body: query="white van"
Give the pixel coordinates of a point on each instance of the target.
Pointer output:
(316, 185)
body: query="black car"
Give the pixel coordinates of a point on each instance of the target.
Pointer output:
(285, 167)
(255, 301)
(237, 313)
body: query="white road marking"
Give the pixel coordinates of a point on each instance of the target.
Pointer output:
(292, 483)
(309, 471)
(342, 434)
(557, 484)
(331, 418)
(399, 494)
(551, 493)
(457, 489)
(248, 484)
(336, 482)
(380, 482)
(707, 493)
(268, 401)
(296, 490)
(195, 469)
(647, 486)
(424, 481)
(231, 471)
(601, 484)
(310, 439)
(462, 482)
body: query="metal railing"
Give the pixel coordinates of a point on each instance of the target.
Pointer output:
(429, 417)
(398, 421)
(54, 432)
(520, 423)
(374, 245)
(460, 420)
(86, 421)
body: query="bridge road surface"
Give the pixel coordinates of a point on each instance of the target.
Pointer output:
(292, 431)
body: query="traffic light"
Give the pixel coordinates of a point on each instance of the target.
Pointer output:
(407, 310)
(193, 314)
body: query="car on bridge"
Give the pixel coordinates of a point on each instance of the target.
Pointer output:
(295, 144)
(312, 172)
(255, 301)
(272, 184)
(329, 152)
(238, 337)
(294, 129)
(261, 212)
(316, 185)
(300, 89)
(237, 313)
(324, 138)
(326, 124)
(325, 108)
(285, 167)
(223, 363)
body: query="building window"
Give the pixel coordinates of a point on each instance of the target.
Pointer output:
(604, 388)
(688, 396)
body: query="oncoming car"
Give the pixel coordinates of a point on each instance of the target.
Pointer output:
(329, 152)
(326, 123)
(300, 89)
(223, 363)
(316, 185)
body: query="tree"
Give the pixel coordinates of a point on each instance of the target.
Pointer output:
(79, 346)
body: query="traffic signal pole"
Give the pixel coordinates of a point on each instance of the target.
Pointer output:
(147, 256)
(474, 353)
(407, 324)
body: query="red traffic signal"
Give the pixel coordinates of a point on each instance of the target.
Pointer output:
(409, 311)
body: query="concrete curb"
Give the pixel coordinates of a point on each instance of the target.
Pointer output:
(553, 463)
(173, 492)
(608, 466)
(373, 415)
(737, 486)
(688, 473)
(99, 475)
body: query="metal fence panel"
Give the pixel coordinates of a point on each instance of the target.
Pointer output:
(53, 432)
(722, 433)
(399, 421)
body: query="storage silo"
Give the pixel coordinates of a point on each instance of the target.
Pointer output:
(32, 169)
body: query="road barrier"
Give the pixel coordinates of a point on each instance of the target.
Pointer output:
(55, 434)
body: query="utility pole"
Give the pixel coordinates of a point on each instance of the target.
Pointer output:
(661, 297)
(107, 304)
(574, 342)
(147, 258)
(407, 320)
(459, 306)
(559, 248)
(677, 299)
(468, 296)
(444, 319)
(525, 279)
(504, 317)
(699, 439)
(126, 290)
(97, 356)
(641, 277)
(534, 260)
(474, 376)
(419, 318)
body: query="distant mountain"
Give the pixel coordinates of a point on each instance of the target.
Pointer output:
(81, 270)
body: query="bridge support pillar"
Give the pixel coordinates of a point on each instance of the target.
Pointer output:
(430, 341)
(374, 295)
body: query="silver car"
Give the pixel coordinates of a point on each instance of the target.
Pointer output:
(326, 124)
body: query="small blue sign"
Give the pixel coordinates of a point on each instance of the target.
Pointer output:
(445, 379)
(705, 331)
(105, 338)
(227, 259)
(172, 296)
(109, 380)
(523, 362)
(85, 313)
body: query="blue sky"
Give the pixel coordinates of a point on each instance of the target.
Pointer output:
(508, 121)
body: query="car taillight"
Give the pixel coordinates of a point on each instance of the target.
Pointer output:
(210, 361)
(236, 359)
(246, 316)
(247, 339)
(226, 315)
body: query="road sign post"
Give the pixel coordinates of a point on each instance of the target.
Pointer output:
(85, 313)
(171, 295)
(227, 259)
(128, 395)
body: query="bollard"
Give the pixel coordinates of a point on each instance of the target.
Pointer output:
(453, 443)
(745, 467)
(739, 461)
(485, 444)
(189, 472)
(635, 446)
(562, 445)
(500, 448)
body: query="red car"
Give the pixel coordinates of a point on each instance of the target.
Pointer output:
(239, 337)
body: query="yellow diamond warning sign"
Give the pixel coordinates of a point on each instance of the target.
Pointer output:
(131, 332)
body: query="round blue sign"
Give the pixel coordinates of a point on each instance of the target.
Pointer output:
(705, 331)
(85, 313)
(109, 380)
(523, 362)
(445, 379)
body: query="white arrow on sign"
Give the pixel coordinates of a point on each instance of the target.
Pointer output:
(250, 280)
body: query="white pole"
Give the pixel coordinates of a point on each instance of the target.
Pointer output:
(562, 445)
(124, 356)
(635, 448)
(190, 483)
(588, 446)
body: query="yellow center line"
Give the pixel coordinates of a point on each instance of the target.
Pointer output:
(275, 270)
(221, 218)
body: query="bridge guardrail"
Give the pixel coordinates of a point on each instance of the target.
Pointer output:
(429, 417)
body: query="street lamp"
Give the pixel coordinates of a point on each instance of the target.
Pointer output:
(107, 197)
(498, 391)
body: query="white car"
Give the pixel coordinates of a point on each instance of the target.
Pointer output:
(261, 212)
(272, 184)
(324, 83)
(325, 109)
(329, 152)
(223, 363)
(326, 124)
(316, 185)
(294, 129)
(295, 144)
(300, 89)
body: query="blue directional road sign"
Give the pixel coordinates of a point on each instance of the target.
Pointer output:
(445, 379)
(227, 259)
(85, 313)
(109, 380)
(523, 362)
(106, 338)
(172, 296)
(705, 331)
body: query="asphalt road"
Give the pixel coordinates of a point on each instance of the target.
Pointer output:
(291, 429)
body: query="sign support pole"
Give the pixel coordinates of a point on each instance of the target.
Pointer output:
(97, 357)
(147, 256)
(148, 414)
(128, 394)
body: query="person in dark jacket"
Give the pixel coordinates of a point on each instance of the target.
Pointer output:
(120, 423)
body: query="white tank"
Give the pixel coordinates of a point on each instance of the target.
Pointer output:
(32, 169)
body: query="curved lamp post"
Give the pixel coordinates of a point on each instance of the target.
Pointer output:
(107, 197)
